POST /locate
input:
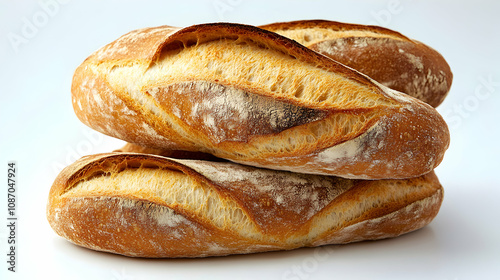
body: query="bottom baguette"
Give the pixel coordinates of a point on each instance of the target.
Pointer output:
(151, 206)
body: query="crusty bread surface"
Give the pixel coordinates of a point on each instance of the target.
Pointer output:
(388, 57)
(254, 97)
(151, 206)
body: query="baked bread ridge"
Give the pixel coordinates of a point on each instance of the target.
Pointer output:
(385, 55)
(177, 154)
(151, 206)
(127, 90)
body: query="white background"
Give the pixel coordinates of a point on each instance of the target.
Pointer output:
(41, 45)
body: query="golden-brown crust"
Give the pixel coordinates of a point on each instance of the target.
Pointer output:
(147, 45)
(283, 210)
(141, 113)
(387, 150)
(385, 55)
(331, 25)
(391, 224)
(151, 40)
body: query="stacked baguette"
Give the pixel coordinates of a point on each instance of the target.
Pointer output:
(243, 140)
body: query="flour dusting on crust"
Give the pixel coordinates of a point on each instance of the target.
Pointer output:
(296, 192)
(228, 113)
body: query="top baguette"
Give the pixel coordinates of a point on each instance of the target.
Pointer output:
(255, 97)
(386, 56)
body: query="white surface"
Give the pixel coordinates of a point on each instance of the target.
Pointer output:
(41, 133)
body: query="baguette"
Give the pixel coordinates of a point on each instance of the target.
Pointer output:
(151, 206)
(254, 97)
(386, 56)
